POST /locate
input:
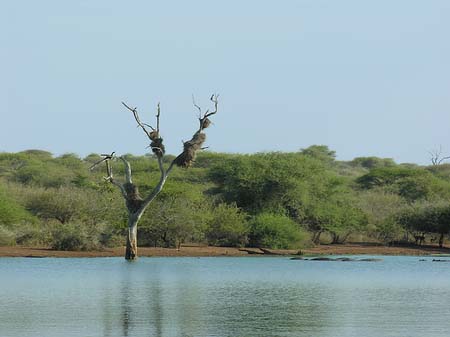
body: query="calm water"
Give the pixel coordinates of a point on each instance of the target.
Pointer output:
(400, 296)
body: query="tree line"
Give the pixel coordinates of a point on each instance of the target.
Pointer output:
(273, 200)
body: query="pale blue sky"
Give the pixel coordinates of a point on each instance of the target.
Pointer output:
(363, 77)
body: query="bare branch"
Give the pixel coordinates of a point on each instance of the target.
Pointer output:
(442, 159)
(106, 158)
(108, 170)
(199, 109)
(436, 158)
(151, 127)
(157, 116)
(127, 170)
(203, 119)
(138, 120)
(215, 99)
(158, 187)
(111, 179)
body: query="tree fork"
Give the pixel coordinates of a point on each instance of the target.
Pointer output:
(136, 205)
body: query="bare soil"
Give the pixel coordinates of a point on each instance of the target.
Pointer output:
(352, 249)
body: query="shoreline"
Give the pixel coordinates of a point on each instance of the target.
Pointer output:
(208, 251)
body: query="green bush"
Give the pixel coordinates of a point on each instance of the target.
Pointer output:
(74, 237)
(228, 227)
(11, 212)
(30, 235)
(381, 209)
(276, 231)
(7, 237)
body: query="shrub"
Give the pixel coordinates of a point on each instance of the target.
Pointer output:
(276, 231)
(73, 237)
(228, 227)
(11, 212)
(7, 237)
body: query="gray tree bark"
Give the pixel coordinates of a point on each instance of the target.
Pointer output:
(135, 204)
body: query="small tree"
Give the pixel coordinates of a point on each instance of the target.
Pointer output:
(436, 157)
(135, 203)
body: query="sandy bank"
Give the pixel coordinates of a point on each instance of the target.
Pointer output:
(355, 248)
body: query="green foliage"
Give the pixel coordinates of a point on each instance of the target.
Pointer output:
(228, 226)
(38, 154)
(62, 204)
(387, 176)
(70, 203)
(372, 162)
(319, 152)
(179, 214)
(381, 208)
(275, 231)
(74, 237)
(262, 181)
(427, 217)
(11, 211)
(441, 171)
(70, 160)
(410, 183)
(57, 201)
(337, 213)
(7, 236)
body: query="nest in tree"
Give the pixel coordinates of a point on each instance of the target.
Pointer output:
(190, 148)
(154, 135)
(157, 146)
(134, 199)
(205, 122)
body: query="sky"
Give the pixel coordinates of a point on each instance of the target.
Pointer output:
(366, 78)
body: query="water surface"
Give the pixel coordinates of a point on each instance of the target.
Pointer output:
(221, 296)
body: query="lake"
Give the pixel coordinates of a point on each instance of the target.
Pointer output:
(224, 296)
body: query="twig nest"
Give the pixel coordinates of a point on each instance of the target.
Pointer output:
(157, 147)
(205, 122)
(190, 148)
(134, 199)
(154, 135)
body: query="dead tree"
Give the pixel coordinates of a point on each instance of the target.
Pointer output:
(135, 203)
(436, 157)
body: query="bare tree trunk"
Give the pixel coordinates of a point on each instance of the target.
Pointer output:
(441, 240)
(316, 237)
(335, 238)
(131, 248)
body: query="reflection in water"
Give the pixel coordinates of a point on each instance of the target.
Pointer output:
(155, 316)
(219, 297)
(107, 317)
(126, 311)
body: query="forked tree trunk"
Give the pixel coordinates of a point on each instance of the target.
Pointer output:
(136, 205)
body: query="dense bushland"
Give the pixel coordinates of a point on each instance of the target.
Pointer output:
(272, 200)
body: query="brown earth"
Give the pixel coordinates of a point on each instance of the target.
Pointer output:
(353, 248)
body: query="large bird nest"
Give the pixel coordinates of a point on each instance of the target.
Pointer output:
(134, 200)
(190, 149)
(205, 122)
(157, 147)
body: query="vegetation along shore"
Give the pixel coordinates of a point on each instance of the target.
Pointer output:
(306, 201)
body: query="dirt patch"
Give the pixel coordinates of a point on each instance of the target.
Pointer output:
(352, 249)
(19, 251)
(373, 249)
